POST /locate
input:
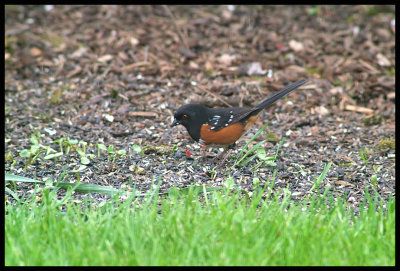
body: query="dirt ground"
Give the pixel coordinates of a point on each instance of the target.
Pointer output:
(116, 74)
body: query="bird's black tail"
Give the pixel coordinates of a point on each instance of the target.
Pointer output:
(274, 97)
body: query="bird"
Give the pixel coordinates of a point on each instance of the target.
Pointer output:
(224, 126)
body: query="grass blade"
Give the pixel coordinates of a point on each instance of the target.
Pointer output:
(245, 146)
(79, 187)
(321, 177)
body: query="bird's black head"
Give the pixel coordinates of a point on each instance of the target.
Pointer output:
(192, 116)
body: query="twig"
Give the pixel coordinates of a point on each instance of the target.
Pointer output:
(215, 95)
(181, 35)
(16, 31)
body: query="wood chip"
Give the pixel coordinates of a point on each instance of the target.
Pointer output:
(320, 110)
(391, 95)
(143, 114)
(296, 46)
(383, 60)
(134, 65)
(359, 109)
(105, 58)
(344, 183)
(74, 72)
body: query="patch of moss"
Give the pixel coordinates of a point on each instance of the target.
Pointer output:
(46, 117)
(138, 170)
(209, 72)
(345, 164)
(391, 72)
(161, 149)
(56, 41)
(55, 96)
(315, 70)
(256, 77)
(350, 19)
(9, 156)
(387, 143)
(337, 83)
(114, 93)
(272, 137)
(373, 10)
(10, 42)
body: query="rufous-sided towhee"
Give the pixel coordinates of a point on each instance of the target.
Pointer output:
(224, 126)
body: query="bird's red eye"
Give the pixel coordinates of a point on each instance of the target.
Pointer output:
(184, 116)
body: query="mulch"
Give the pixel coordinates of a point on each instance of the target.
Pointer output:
(116, 74)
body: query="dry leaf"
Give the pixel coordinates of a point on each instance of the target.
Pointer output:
(81, 51)
(321, 110)
(252, 68)
(35, 51)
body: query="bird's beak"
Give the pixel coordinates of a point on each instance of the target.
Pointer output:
(174, 123)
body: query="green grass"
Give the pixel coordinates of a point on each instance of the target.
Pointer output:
(183, 228)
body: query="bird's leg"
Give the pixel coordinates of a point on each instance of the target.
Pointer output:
(226, 157)
(226, 149)
(230, 148)
(218, 156)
